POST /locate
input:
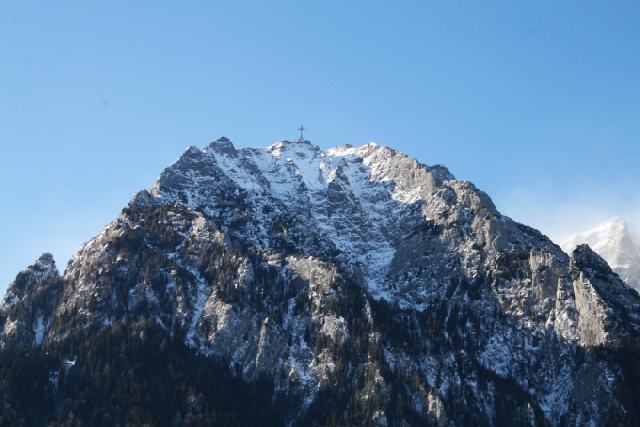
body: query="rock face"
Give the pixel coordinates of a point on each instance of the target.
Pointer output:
(27, 307)
(355, 278)
(613, 241)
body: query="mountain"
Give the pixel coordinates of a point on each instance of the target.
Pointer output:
(613, 241)
(350, 286)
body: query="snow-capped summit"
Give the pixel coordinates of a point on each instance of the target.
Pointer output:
(356, 200)
(613, 241)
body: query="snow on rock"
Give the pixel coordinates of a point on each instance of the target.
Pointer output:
(39, 282)
(44, 268)
(355, 199)
(613, 241)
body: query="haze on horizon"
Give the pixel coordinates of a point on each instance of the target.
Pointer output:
(536, 103)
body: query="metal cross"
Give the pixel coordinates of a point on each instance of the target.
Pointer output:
(301, 129)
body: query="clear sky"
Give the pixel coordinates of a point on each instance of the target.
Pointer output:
(535, 102)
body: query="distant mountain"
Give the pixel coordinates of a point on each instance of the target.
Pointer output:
(291, 285)
(613, 241)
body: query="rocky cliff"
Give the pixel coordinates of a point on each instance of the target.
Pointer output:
(361, 282)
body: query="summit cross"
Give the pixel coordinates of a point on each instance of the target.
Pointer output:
(301, 129)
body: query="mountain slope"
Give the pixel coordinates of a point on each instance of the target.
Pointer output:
(613, 241)
(369, 288)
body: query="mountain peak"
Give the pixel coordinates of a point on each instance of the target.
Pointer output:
(613, 241)
(223, 145)
(43, 269)
(142, 198)
(342, 194)
(583, 256)
(46, 261)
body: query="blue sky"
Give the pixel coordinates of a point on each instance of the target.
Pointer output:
(535, 102)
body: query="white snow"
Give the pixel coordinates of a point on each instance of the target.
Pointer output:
(607, 240)
(378, 182)
(39, 330)
(68, 364)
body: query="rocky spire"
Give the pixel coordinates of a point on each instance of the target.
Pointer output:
(44, 268)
